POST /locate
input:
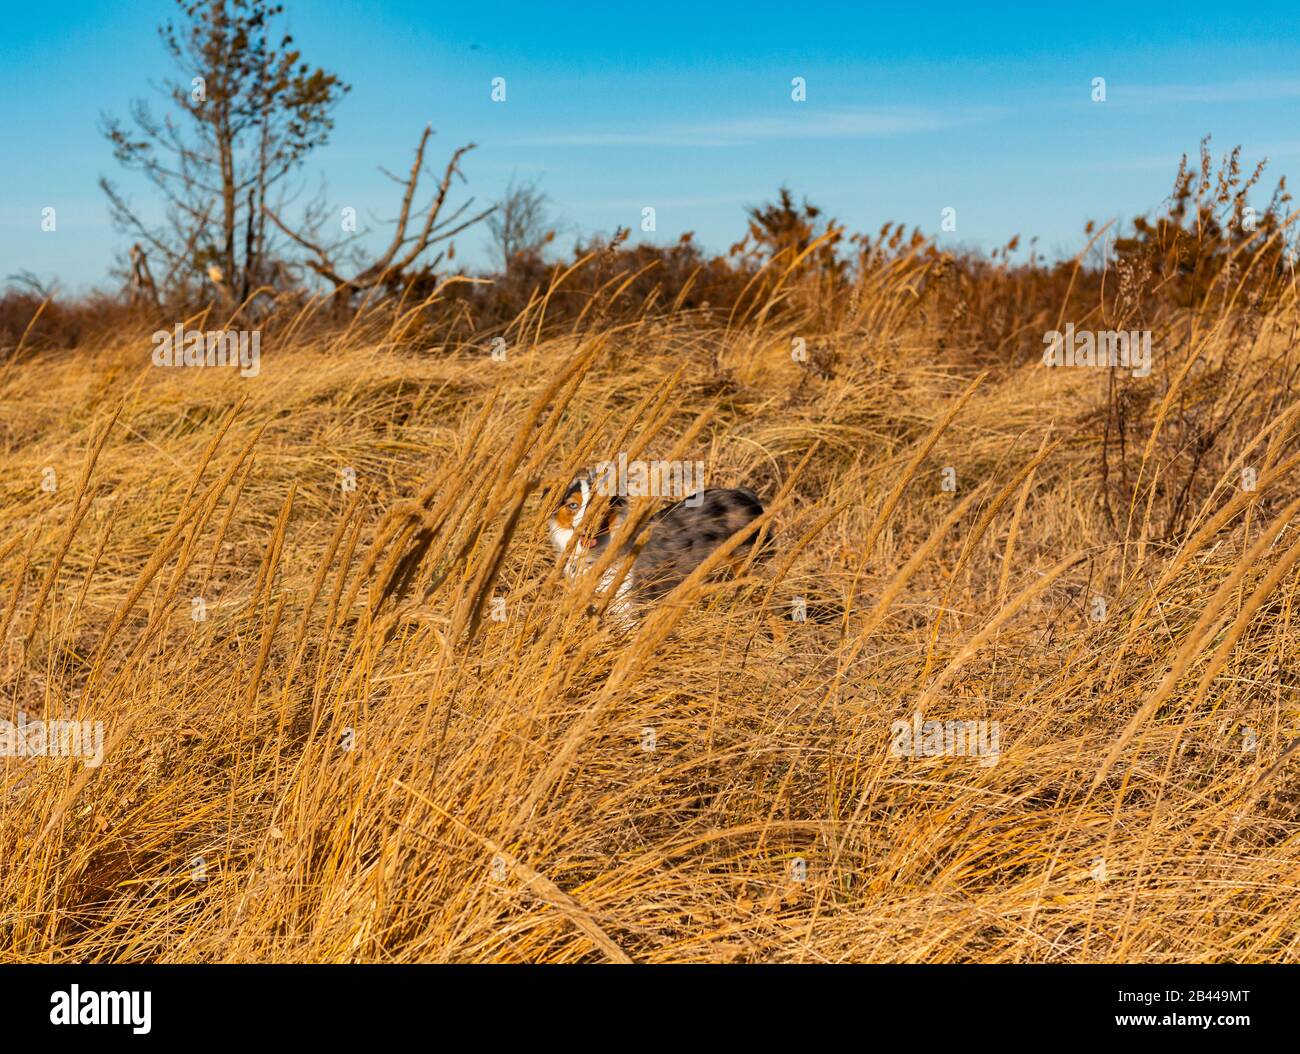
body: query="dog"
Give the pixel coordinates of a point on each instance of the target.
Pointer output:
(682, 536)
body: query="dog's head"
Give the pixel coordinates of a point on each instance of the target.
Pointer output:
(588, 494)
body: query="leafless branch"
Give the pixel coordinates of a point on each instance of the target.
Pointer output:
(402, 252)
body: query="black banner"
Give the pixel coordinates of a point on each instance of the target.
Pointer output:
(336, 1003)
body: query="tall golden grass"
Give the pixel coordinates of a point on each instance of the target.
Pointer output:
(499, 800)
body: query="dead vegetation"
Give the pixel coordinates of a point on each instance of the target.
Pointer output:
(349, 758)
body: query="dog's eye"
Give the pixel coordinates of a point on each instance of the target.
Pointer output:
(573, 505)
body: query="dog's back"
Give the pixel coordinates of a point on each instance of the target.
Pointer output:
(683, 535)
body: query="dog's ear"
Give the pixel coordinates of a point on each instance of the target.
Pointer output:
(615, 514)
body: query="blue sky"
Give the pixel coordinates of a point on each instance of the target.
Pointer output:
(687, 108)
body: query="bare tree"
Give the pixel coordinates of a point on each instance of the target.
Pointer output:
(396, 265)
(249, 111)
(143, 289)
(519, 225)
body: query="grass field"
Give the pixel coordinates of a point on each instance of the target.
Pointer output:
(324, 741)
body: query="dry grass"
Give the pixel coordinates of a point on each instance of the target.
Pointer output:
(498, 802)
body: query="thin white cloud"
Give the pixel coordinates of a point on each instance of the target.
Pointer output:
(1223, 91)
(713, 201)
(799, 123)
